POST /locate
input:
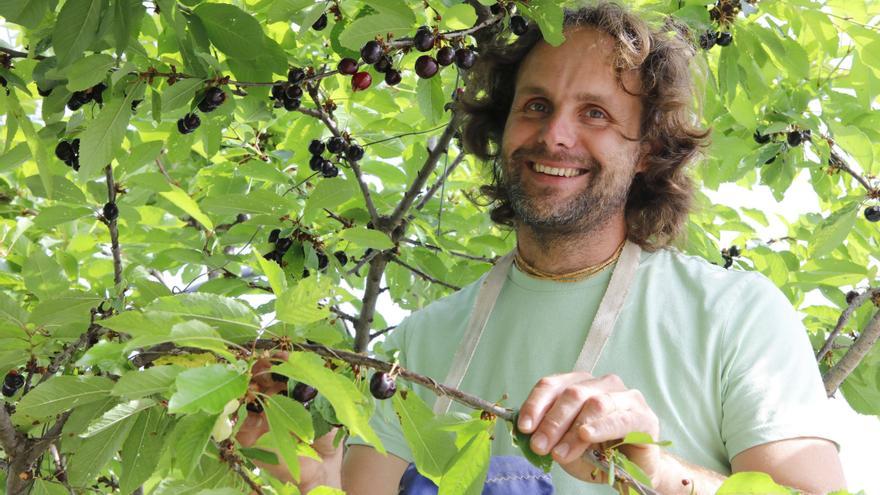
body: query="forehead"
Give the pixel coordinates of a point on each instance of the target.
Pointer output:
(581, 67)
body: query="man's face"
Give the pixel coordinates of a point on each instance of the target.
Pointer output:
(569, 116)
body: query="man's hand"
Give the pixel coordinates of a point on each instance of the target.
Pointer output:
(312, 472)
(570, 413)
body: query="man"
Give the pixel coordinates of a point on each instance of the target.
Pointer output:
(593, 136)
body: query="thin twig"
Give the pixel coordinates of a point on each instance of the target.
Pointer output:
(423, 274)
(847, 364)
(432, 247)
(17, 54)
(442, 180)
(112, 225)
(382, 332)
(398, 136)
(855, 304)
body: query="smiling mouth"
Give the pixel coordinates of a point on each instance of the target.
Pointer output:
(556, 171)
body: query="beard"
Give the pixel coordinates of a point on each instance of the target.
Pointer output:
(539, 208)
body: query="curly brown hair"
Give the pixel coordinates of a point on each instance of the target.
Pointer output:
(660, 198)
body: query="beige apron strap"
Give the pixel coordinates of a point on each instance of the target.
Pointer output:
(609, 308)
(486, 297)
(600, 330)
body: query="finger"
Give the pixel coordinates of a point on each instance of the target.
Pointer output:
(541, 398)
(255, 425)
(611, 416)
(565, 409)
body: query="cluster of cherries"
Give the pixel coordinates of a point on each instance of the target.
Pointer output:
(288, 94)
(794, 138)
(80, 98)
(68, 152)
(729, 254)
(711, 38)
(337, 146)
(12, 383)
(212, 98)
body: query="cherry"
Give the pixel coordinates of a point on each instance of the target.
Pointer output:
(283, 245)
(303, 393)
(189, 123)
(64, 151)
(361, 81)
(273, 236)
(383, 65)
(382, 386)
(872, 213)
(323, 260)
(465, 58)
(293, 92)
(424, 39)
(347, 66)
(851, 296)
(733, 251)
(110, 211)
(291, 105)
(278, 377)
(426, 66)
(708, 39)
(315, 163)
(761, 138)
(794, 138)
(43, 92)
(213, 98)
(77, 100)
(445, 56)
(254, 407)
(12, 383)
(321, 23)
(328, 170)
(296, 75)
(354, 152)
(278, 90)
(316, 147)
(519, 25)
(371, 52)
(341, 257)
(393, 77)
(96, 93)
(495, 8)
(724, 38)
(336, 145)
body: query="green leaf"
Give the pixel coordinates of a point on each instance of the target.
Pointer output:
(207, 389)
(128, 15)
(192, 434)
(291, 416)
(27, 13)
(280, 438)
(235, 321)
(56, 215)
(102, 139)
(298, 305)
(11, 312)
(833, 230)
(68, 308)
(329, 193)
(751, 483)
(273, 272)
(432, 448)
(367, 238)
(232, 30)
(368, 27)
(141, 451)
(467, 471)
(351, 406)
(459, 16)
(429, 93)
(76, 28)
(61, 393)
(549, 16)
(43, 275)
(256, 202)
(119, 413)
(521, 440)
(43, 487)
(137, 383)
(180, 93)
(181, 199)
(89, 71)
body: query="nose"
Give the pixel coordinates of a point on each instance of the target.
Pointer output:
(558, 132)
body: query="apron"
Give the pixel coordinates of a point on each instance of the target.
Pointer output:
(514, 475)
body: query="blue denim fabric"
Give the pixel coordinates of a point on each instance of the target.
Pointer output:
(508, 475)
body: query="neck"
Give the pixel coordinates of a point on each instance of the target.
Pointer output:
(565, 253)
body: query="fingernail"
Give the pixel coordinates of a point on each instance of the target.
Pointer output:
(539, 442)
(561, 450)
(525, 423)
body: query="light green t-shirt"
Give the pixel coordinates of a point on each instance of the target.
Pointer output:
(720, 356)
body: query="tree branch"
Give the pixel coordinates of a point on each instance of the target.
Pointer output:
(844, 318)
(426, 170)
(368, 306)
(423, 274)
(328, 121)
(114, 233)
(866, 340)
(442, 180)
(836, 161)
(10, 437)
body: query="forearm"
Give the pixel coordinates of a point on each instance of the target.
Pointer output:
(684, 478)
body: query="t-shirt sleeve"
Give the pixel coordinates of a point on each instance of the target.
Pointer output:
(384, 421)
(771, 387)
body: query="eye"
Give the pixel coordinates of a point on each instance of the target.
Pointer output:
(595, 113)
(536, 106)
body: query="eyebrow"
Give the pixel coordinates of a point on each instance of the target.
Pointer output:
(591, 97)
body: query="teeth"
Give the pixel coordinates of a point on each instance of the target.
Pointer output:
(560, 172)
